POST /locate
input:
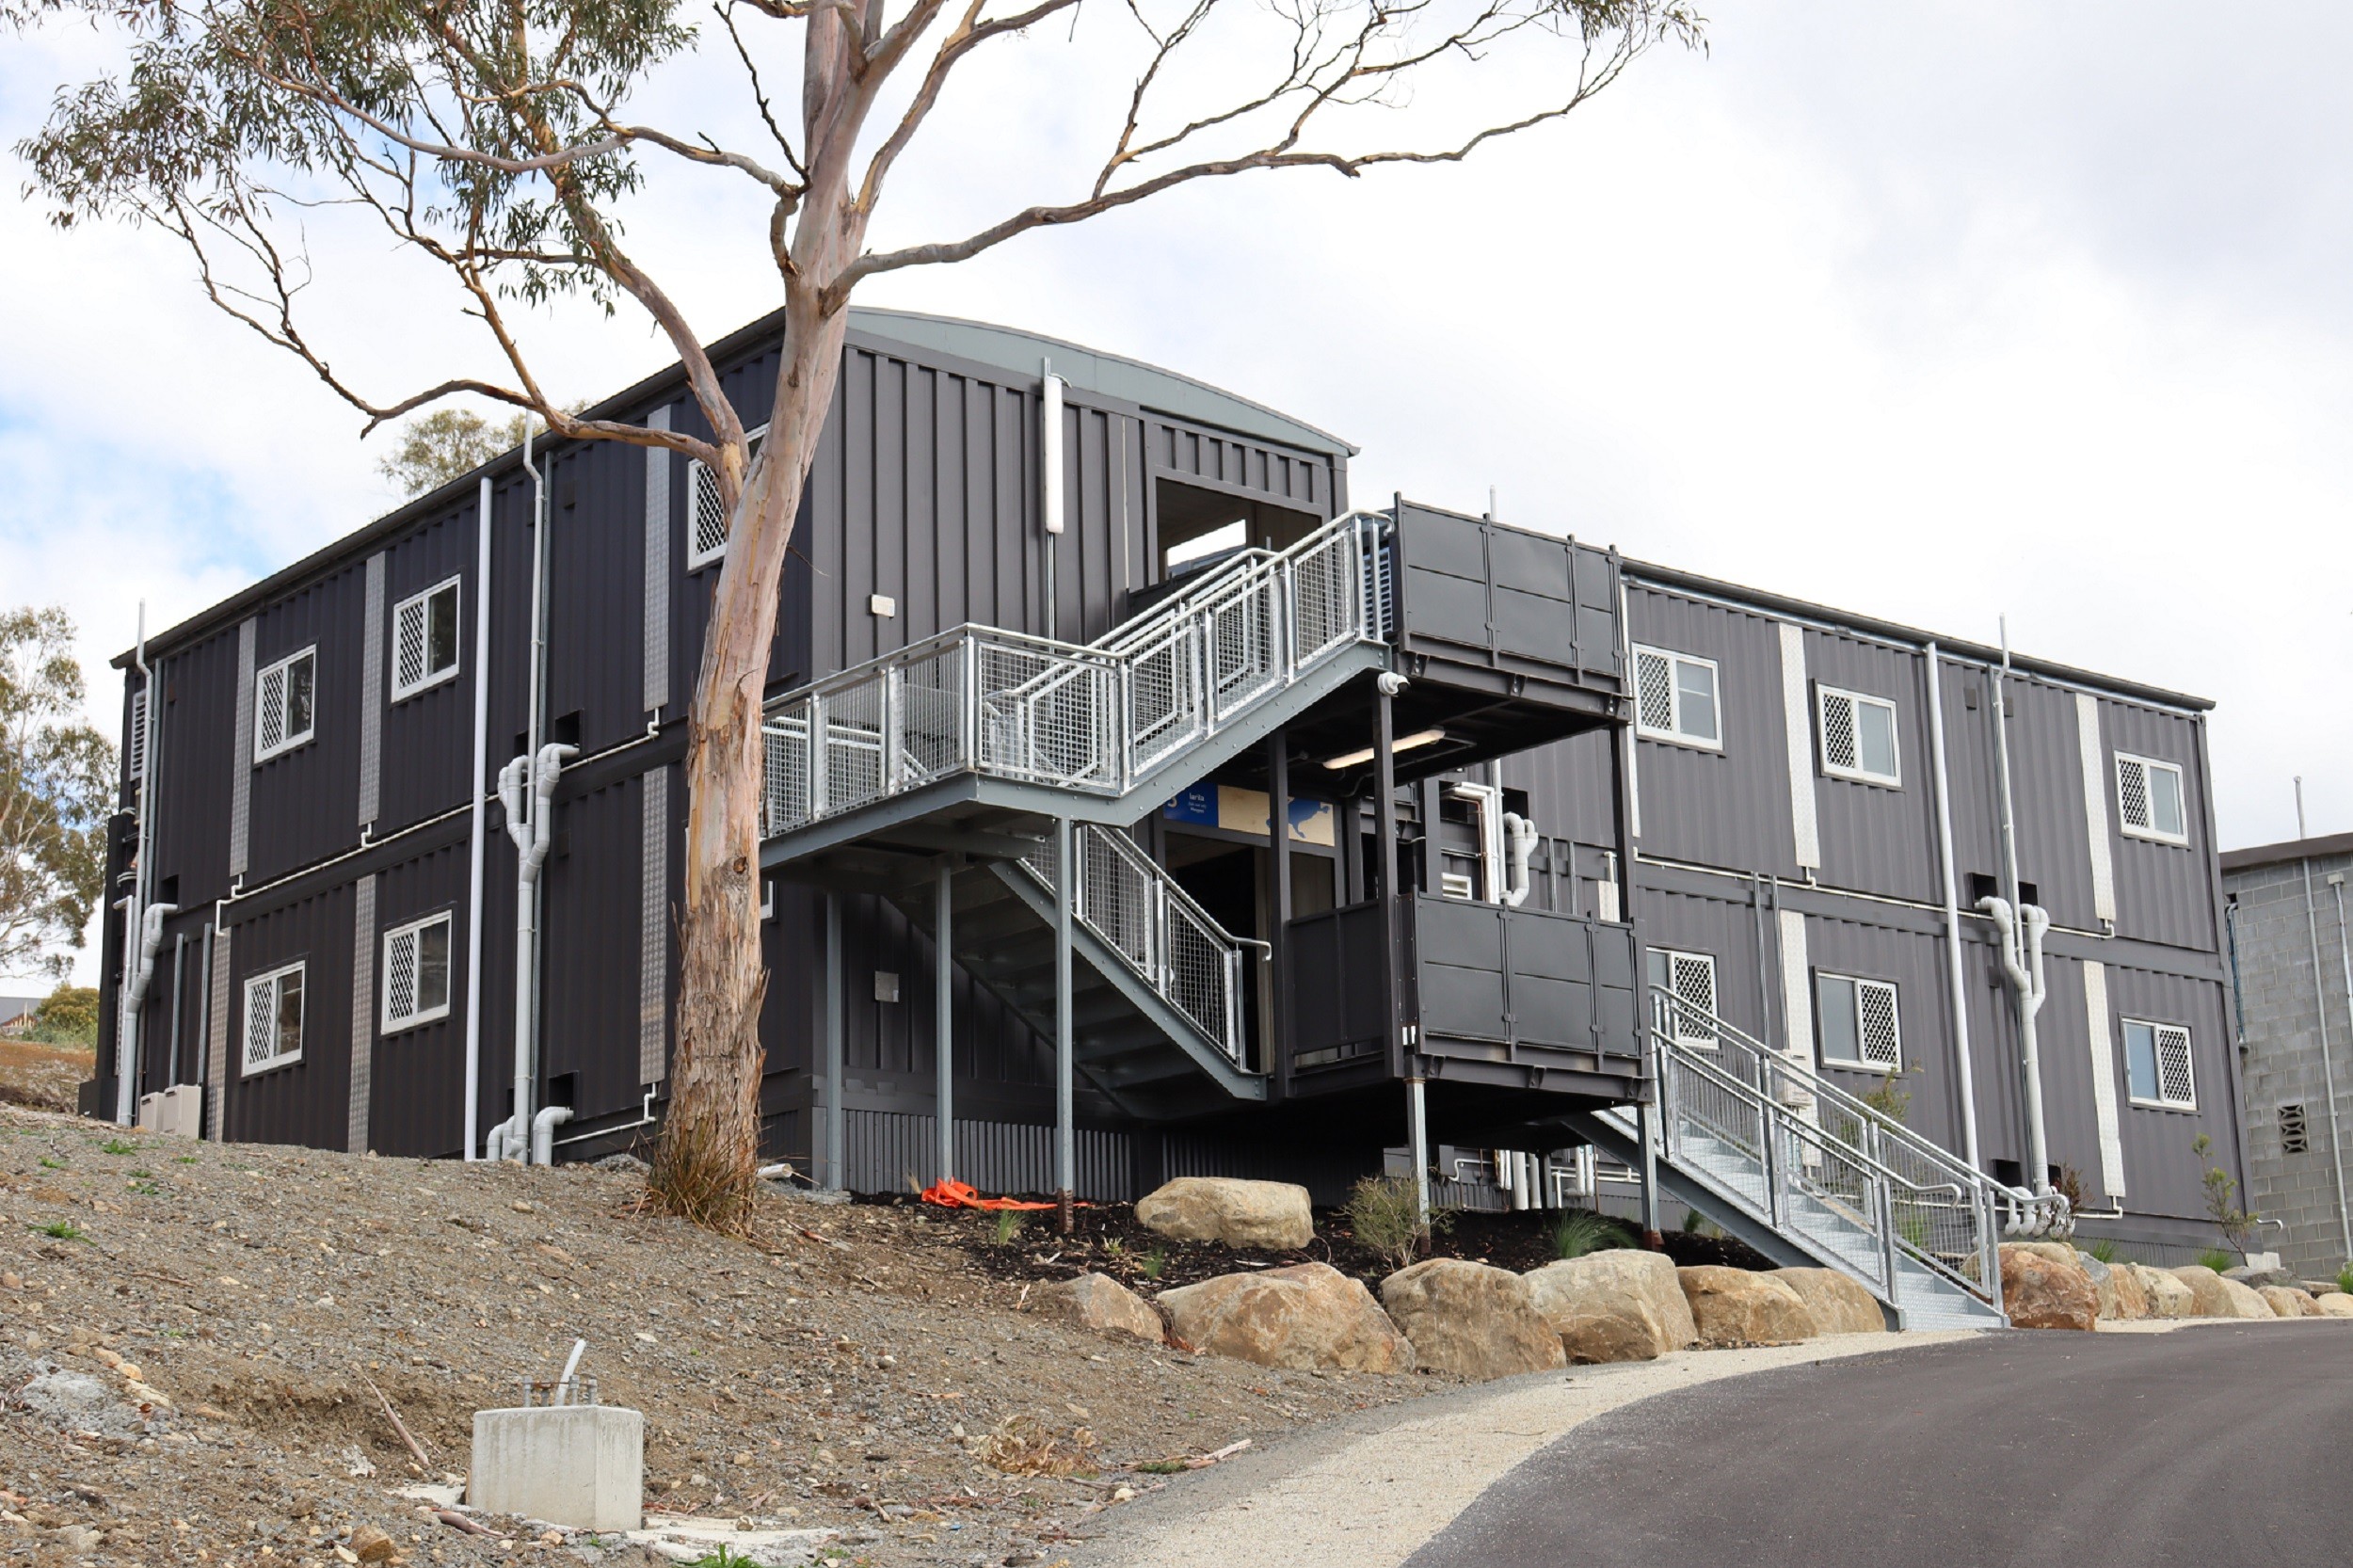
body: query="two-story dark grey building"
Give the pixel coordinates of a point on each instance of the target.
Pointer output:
(1064, 637)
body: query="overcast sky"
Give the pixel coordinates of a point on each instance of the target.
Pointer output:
(1940, 311)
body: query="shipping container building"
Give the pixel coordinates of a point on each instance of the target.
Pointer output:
(1062, 636)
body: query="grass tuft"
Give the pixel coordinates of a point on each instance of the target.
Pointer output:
(1580, 1231)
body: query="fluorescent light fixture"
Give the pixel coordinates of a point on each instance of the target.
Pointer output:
(1406, 743)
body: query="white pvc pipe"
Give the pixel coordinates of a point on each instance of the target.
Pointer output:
(127, 1018)
(2022, 930)
(526, 786)
(1519, 845)
(476, 845)
(1953, 948)
(543, 1128)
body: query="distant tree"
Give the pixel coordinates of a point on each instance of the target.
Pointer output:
(449, 443)
(493, 139)
(56, 786)
(67, 1017)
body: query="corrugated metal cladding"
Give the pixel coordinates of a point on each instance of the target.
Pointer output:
(417, 1104)
(898, 1152)
(1914, 962)
(1219, 459)
(2164, 1174)
(196, 737)
(1875, 838)
(1727, 806)
(307, 1102)
(1327, 1172)
(302, 799)
(428, 736)
(596, 592)
(589, 999)
(2165, 893)
(1734, 929)
(2046, 789)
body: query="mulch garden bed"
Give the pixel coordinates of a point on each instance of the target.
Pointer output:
(1107, 1238)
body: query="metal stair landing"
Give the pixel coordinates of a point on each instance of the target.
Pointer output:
(1811, 1176)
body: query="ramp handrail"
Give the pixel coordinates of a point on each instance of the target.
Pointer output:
(1097, 718)
(1158, 932)
(1858, 1167)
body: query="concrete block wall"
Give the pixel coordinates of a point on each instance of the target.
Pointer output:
(2281, 1065)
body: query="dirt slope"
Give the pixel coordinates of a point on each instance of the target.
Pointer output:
(843, 1371)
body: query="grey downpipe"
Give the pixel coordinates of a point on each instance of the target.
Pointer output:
(2030, 1065)
(1954, 950)
(526, 787)
(476, 847)
(139, 970)
(2021, 930)
(2328, 1066)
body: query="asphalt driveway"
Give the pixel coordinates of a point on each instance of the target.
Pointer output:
(2215, 1446)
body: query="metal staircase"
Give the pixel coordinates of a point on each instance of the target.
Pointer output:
(1154, 970)
(1104, 732)
(1812, 1176)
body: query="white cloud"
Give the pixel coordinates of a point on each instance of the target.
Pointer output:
(1938, 311)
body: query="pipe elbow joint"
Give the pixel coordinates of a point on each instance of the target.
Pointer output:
(543, 1128)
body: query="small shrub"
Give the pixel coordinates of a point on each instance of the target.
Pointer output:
(723, 1557)
(1009, 1224)
(1154, 1263)
(1697, 1224)
(1020, 1446)
(2236, 1224)
(1890, 1100)
(2344, 1279)
(2216, 1259)
(1383, 1213)
(1582, 1231)
(1162, 1467)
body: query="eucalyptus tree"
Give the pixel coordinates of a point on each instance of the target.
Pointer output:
(498, 140)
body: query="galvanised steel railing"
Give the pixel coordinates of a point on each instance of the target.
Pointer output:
(1166, 939)
(1813, 1160)
(1095, 719)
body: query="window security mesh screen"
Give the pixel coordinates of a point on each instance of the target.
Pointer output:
(261, 1020)
(2158, 1066)
(416, 974)
(425, 638)
(1859, 1022)
(2132, 783)
(270, 734)
(1838, 740)
(1654, 685)
(1691, 977)
(706, 512)
(2173, 1075)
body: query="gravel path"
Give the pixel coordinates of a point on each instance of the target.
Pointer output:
(1369, 1491)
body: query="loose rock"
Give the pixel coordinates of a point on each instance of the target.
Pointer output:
(2255, 1279)
(2336, 1303)
(2217, 1297)
(370, 1544)
(1838, 1301)
(1471, 1318)
(1306, 1316)
(1732, 1306)
(2167, 1296)
(1238, 1214)
(1616, 1305)
(1102, 1303)
(2043, 1290)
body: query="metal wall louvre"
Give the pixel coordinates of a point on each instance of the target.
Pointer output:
(362, 1014)
(897, 1151)
(241, 759)
(372, 693)
(653, 930)
(658, 586)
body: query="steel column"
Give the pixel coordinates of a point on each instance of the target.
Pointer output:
(944, 1018)
(832, 1168)
(1065, 1157)
(1276, 1054)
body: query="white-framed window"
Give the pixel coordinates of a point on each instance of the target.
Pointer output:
(424, 640)
(285, 703)
(416, 973)
(1858, 736)
(1860, 1026)
(1691, 977)
(1675, 698)
(2149, 800)
(2156, 1065)
(273, 1019)
(706, 514)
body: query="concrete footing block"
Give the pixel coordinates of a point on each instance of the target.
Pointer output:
(579, 1465)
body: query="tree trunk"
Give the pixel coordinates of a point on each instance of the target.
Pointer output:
(706, 1169)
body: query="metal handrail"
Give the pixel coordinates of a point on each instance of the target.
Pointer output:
(1158, 930)
(1807, 1137)
(1096, 719)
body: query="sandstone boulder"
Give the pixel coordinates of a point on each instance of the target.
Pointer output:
(1473, 1320)
(1839, 1303)
(1238, 1214)
(2167, 1296)
(2288, 1301)
(2217, 1297)
(1732, 1306)
(1308, 1316)
(1102, 1304)
(2255, 1279)
(1616, 1305)
(2336, 1303)
(2123, 1297)
(2043, 1290)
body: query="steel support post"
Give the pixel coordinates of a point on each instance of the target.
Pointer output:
(834, 1168)
(1275, 1053)
(1417, 1146)
(1065, 1157)
(944, 1017)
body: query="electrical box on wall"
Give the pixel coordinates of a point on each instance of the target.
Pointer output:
(886, 986)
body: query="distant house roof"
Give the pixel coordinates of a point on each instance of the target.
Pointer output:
(2323, 848)
(13, 1008)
